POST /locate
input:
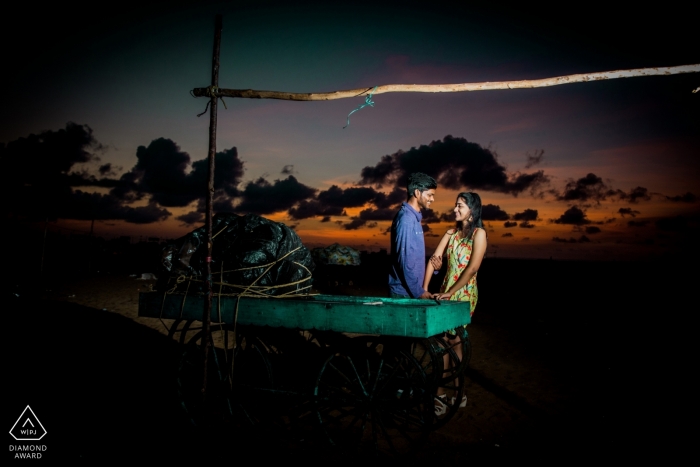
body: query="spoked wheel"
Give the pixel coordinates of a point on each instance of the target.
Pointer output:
(442, 366)
(295, 357)
(445, 360)
(375, 398)
(234, 376)
(181, 329)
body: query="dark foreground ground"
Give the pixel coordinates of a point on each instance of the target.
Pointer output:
(571, 361)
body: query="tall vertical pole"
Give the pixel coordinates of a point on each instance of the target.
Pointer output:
(206, 319)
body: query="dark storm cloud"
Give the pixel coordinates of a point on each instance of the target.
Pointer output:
(287, 169)
(635, 195)
(312, 208)
(526, 215)
(395, 197)
(88, 206)
(354, 224)
(263, 197)
(573, 216)
(41, 157)
(38, 175)
(509, 224)
(367, 217)
(526, 225)
(590, 187)
(507, 234)
(161, 174)
(191, 218)
(430, 216)
(627, 212)
(456, 164)
(41, 166)
(353, 197)
(333, 201)
(685, 198)
(108, 169)
(591, 229)
(492, 212)
(377, 214)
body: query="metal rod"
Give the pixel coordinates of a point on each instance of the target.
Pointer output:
(206, 319)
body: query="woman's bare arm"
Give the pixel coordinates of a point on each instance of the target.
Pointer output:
(430, 268)
(478, 251)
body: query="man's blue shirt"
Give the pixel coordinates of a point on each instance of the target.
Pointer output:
(407, 253)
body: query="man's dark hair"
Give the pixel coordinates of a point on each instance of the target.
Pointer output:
(421, 182)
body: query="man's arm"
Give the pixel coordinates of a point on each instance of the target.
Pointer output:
(410, 268)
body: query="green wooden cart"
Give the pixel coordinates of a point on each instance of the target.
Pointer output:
(352, 371)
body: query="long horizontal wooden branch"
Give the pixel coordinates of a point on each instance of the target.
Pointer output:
(532, 83)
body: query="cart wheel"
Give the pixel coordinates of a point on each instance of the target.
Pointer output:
(295, 357)
(235, 376)
(374, 397)
(446, 381)
(180, 329)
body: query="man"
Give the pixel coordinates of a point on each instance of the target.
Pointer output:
(407, 242)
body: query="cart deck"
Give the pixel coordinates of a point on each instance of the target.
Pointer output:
(339, 313)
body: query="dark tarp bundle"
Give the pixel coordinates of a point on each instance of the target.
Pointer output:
(250, 250)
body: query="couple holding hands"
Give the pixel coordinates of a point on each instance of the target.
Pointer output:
(464, 246)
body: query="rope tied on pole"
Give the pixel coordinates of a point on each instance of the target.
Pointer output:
(211, 91)
(368, 102)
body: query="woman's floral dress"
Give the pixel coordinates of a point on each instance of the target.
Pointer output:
(459, 251)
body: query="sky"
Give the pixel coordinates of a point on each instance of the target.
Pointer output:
(99, 129)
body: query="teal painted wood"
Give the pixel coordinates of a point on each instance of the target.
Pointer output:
(341, 313)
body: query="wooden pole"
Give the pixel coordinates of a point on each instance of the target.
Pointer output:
(535, 83)
(206, 319)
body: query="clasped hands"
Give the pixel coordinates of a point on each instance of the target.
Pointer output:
(436, 261)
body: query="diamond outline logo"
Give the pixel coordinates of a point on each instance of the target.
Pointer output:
(34, 423)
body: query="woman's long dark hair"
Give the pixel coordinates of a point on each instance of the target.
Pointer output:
(473, 202)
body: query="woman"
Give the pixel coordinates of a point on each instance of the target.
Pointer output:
(465, 246)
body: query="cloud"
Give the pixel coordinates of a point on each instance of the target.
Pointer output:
(507, 234)
(526, 215)
(526, 225)
(263, 197)
(636, 194)
(162, 174)
(534, 159)
(684, 198)
(456, 164)
(509, 224)
(333, 201)
(87, 206)
(627, 212)
(574, 216)
(591, 229)
(368, 217)
(191, 218)
(287, 169)
(590, 187)
(492, 212)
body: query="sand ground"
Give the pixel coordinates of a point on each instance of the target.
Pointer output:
(539, 386)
